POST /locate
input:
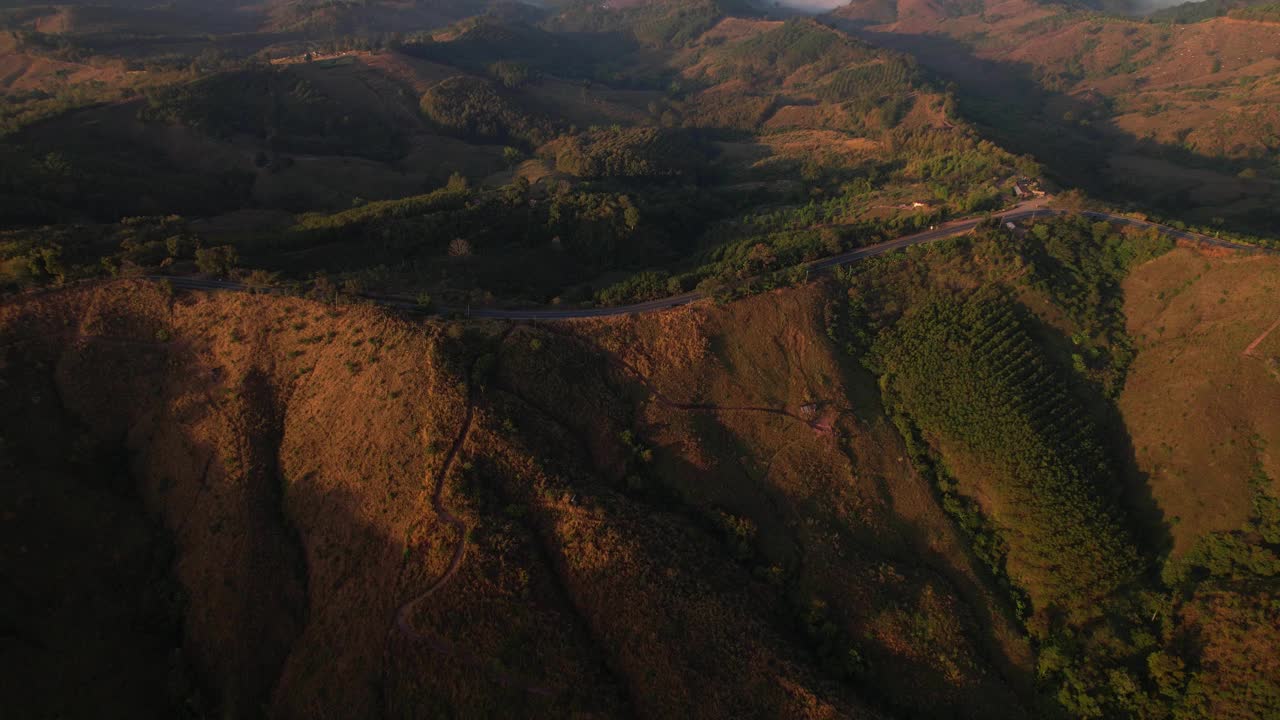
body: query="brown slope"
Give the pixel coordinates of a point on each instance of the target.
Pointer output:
(756, 426)
(1201, 410)
(286, 449)
(1182, 117)
(290, 508)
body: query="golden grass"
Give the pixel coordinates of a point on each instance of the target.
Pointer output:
(286, 446)
(1201, 414)
(875, 544)
(289, 508)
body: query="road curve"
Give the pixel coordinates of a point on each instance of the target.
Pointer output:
(1025, 211)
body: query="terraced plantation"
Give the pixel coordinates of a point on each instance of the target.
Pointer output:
(969, 375)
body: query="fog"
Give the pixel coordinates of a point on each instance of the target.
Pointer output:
(1135, 7)
(814, 5)
(1140, 7)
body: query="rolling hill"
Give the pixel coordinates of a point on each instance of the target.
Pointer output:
(277, 441)
(1177, 117)
(424, 513)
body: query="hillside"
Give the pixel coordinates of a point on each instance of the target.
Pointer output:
(1210, 321)
(1178, 117)
(734, 471)
(639, 359)
(257, 491)
(579, 156)
(1010, 371)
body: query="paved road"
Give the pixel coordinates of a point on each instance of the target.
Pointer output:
(1027, 210)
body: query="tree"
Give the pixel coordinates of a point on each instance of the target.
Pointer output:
(459, 247)
(760, 258)
(512, 75)
(216, 260)
(475, 109)
(177, 245)
(457, 182)
(47, 262)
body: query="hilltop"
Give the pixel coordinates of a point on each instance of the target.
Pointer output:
(255, 489)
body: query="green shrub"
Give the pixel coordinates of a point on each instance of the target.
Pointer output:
(218, 260)
(473, 108)
(630, 153)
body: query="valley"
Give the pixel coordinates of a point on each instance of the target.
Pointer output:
(657, 358)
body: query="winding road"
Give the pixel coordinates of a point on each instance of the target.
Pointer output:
(1025, 211)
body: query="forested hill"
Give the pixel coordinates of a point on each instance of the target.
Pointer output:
(1012, 464)
(638, 165)
(1173, 112)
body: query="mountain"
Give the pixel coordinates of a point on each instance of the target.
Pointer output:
(657, 358)
(771, 497)
(1177, 117)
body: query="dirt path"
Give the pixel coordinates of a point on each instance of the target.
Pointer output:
(404, 614)
(820, 424)
(405, 611)
(706, 407)
(1258, 341)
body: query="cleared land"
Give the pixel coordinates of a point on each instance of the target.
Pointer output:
(1201, 412)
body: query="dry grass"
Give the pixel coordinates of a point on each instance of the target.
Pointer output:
(1210, 86)
(415, 73)
(286, 447)
(289, 509)
(735, 29)
(24, 72)
(843, 509)
(828, 147)
(1201, 414)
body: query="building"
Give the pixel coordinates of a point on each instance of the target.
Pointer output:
(1026, 189)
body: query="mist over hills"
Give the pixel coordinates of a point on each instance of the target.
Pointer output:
(813, 5)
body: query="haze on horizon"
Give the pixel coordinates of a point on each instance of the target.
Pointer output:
(814, 5)
(1138, 7)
